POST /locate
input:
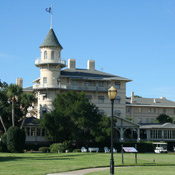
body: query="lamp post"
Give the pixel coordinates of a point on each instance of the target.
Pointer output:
(112, 93)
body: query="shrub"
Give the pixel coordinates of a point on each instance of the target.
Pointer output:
(44, 149)
(15, 140)
(3, 143)
(62, 147)
(77, 150)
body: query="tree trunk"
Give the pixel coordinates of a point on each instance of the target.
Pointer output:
(22, 124)
(3, 124)
(13, 111)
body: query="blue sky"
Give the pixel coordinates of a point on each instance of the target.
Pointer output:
(134, 39)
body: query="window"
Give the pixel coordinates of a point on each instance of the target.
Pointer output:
(147, 120)
(151, 120)
(117, 112)
(140, 110)
(128, 109)
(89, 98)
(117, 100)
(139, 120)
(27, 131)
(88, 83)
(100, 99)
(100, 84)
(45, 81)
(74, 83)
(164, 110)
(45, 54)
(33, 131)
(101, 111)
(152, 110)
(58, 55)
(117, 84)
(38, 132)
(52, 55)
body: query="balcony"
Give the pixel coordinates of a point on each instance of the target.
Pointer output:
(70, 87)
(39, 62)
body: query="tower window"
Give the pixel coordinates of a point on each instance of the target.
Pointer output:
(45, 54)
(45, 81)
(52, 55)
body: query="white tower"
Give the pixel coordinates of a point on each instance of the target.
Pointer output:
(50, 65)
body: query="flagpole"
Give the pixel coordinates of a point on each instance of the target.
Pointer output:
(51, 16)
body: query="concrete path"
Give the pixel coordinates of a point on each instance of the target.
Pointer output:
(81, 172)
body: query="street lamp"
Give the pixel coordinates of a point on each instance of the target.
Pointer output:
(112, 93)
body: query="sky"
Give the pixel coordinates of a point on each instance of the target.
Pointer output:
(134, 39)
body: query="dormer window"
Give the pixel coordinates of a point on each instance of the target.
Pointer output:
(45, 54)
(52, 55)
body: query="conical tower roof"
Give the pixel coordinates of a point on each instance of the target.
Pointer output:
(51, 40)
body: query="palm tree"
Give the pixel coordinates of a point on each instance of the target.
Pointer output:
(26, 100)
(13, 92)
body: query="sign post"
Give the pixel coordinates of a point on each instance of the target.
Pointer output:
(130, 150)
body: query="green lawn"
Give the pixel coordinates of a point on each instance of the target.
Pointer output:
(43, 163)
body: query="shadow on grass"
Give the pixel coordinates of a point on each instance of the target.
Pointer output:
(43, 157)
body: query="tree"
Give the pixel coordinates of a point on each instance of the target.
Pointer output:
(26, 100)
(13, 92)
(163, 118)
(75, 119)
(13, 105)
(15, 139)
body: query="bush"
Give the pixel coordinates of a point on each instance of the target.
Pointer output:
(62, 147)
(76, 150)
(3, 143)
(44, 149)
(15, 140)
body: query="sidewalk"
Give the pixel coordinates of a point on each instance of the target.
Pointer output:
(81, 172)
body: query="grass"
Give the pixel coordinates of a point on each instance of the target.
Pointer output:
(44, 163)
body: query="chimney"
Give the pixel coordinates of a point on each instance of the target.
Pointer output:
(132, 97)
(71, 64)
(19, 82)
(154, 100)
(91, 65)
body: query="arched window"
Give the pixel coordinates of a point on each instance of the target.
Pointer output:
(45, 54)
(52, 55)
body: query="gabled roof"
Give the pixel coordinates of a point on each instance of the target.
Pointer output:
(31, 121)
(51, 40)
(156, 102)
(91, 75)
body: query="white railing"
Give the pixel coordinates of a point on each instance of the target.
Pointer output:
(64, 86)
(48, 61)
(39, 86)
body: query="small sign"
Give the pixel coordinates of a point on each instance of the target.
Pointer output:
(130, 150)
